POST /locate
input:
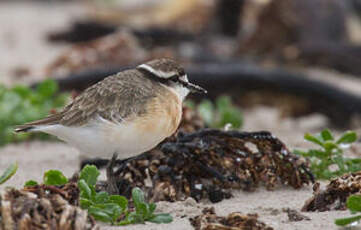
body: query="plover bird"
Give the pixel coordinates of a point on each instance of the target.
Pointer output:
(127, 113)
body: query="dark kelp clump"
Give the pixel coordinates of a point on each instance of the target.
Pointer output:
(209, 163)
(234, 221)
(335, 195)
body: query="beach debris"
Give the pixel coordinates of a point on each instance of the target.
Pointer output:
(294, 215)
(234, 221)
(208, 163)
(334, 196)
(43, 207)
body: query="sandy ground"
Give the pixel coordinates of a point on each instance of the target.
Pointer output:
(36, 157)
(22, 43)
(23, 30)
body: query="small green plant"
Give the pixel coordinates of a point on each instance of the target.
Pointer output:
(8, 173)
(354, 205)
(109, 208)
(103, 207)
(221, 113)
(328, 161)
(22, 104)
(51, 177)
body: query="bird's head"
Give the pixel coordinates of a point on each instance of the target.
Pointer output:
(171, 74)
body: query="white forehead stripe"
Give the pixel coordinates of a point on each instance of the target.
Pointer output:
(159, 73)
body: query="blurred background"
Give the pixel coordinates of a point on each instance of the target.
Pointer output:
(287, 66)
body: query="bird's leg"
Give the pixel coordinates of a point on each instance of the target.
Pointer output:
(112, 187)
(112, 176)
(123, 163)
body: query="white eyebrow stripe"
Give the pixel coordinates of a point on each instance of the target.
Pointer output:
(159, 73)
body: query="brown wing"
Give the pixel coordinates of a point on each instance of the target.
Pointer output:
(114, 99)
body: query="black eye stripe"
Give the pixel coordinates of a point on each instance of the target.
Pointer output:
(174, 78)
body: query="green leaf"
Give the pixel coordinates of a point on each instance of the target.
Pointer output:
(347, 138)
(348, 220)
(161, 218)
(47, 88)
(223, 102)
(9, 172)
(22, 91)
(138, 196)
(100, 214)
(317, 153)
(354, 203)
(22, 104)
(142, 210)
(30, 183)
(132, 218)
(329, 146)
(111, 209)
(327, 135)
(120, 200)
(85, 191)
(230, 116)
(206, 112)
(314, 139)
(152, 208)
(228, 113)
(54, 177)
(89, 174)
(301, 153)
(101, 197)
(85, 203)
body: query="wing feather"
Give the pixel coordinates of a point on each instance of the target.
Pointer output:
(113, 99)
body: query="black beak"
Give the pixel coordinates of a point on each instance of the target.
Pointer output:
(193, 88)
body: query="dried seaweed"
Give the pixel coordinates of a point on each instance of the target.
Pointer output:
(294, 215)
(234, 221)
(209, 163)
(335, 195)
(43, 207)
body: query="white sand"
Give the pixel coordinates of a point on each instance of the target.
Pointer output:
(36, 157)
(22, 42)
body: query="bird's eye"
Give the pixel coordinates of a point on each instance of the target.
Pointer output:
(173, 78)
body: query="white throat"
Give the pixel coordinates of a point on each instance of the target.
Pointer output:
(181, 91)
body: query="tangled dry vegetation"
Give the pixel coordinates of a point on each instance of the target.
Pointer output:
(208, 163)
(43, 207)
(335, 195)
(234, 221)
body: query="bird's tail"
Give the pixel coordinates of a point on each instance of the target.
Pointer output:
(36, 125)
(24, 128)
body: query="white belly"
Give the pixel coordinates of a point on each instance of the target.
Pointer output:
(103, 138)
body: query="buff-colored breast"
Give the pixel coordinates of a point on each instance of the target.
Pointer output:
(163, 115)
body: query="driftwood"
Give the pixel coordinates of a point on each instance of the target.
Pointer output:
(237, 78)
(88, 30)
